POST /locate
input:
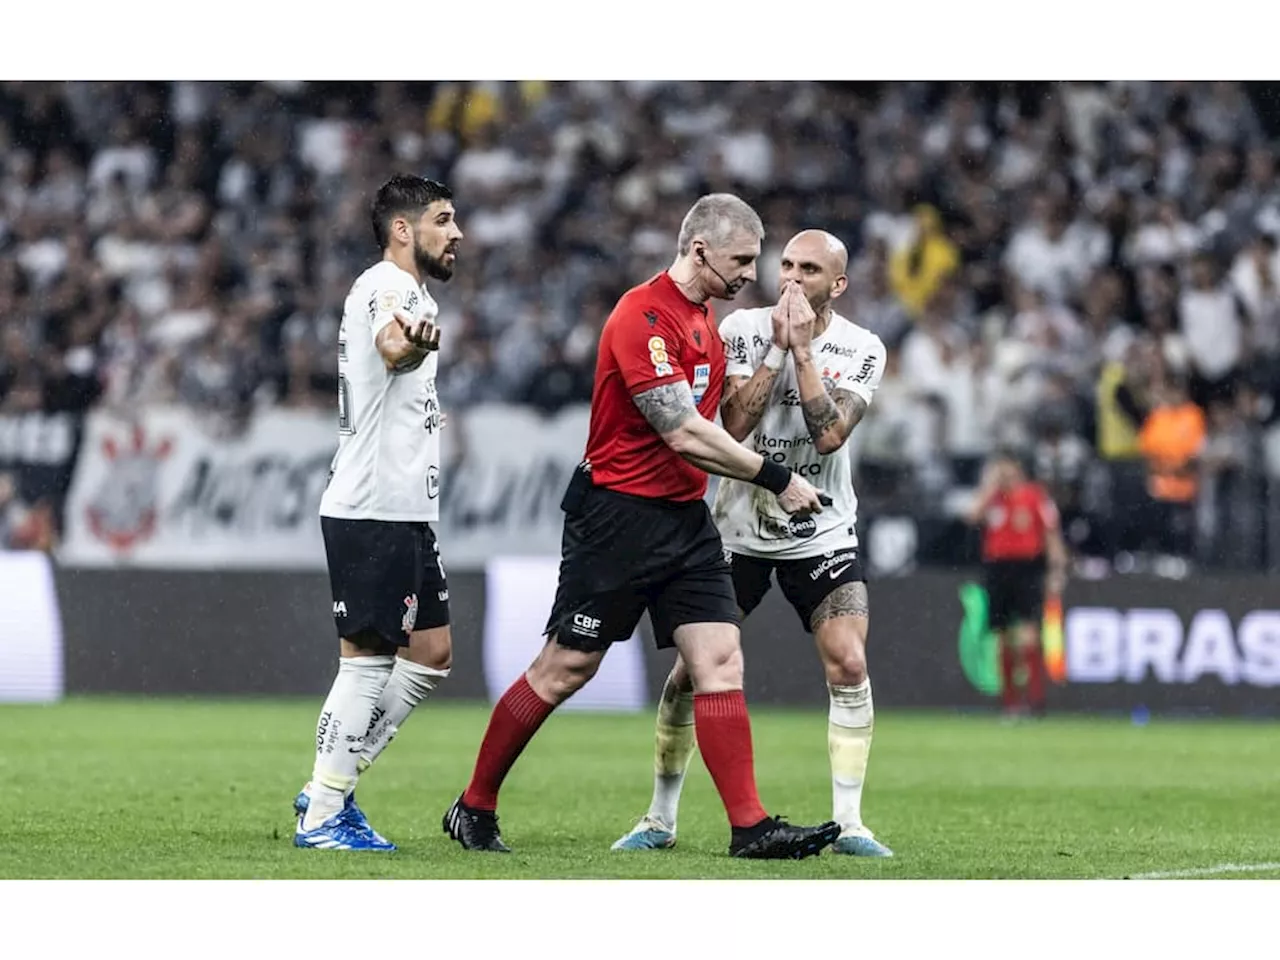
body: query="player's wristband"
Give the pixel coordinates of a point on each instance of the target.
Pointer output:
(773, 359)
(774, 477)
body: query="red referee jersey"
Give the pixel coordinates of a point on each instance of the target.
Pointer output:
(1016, 523)
(654, 336)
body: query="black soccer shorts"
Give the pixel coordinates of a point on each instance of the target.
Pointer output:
(805, 583)
(386, 576)
(1015, 592)
(622, 555)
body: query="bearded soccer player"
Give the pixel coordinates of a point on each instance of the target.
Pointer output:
(638, 534)
(800, 378)
(390, 596)
(1023, 553)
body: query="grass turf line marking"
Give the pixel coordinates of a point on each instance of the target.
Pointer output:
(1206, 871)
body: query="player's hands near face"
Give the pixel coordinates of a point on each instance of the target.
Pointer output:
(992, 476)
(801, 496)
(800, 320)
(780, 318)
(421, 334)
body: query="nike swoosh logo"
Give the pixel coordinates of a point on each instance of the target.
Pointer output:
(839, 570)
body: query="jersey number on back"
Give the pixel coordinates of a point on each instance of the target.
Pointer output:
(346, 418)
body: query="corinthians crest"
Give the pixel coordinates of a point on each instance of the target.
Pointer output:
(410, 613)
(125, 507)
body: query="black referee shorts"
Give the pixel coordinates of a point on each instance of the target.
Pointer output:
(386, 576)
(622, 555)
(1015, 592)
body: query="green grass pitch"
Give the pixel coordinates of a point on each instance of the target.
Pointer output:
(168, 788)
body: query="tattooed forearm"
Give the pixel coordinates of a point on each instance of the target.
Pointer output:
(852, 409)
(849, 600)
(753, 396)
(666, 407)
(746, 401)
(820, 415)
(831, 418)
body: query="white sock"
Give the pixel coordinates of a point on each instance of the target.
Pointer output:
(344, 718)
(410, 684)
(673, 747)
(849, 724)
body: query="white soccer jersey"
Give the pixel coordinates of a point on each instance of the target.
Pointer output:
(388, 462)
(750, 520)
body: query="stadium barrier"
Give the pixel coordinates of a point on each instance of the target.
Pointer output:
(165, 490)
(1206, 645)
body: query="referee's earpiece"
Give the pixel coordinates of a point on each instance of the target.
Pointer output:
(730, 288)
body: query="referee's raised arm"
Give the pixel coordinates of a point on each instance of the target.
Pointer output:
(671, 412)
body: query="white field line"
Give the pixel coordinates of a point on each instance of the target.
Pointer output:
(1207, 871)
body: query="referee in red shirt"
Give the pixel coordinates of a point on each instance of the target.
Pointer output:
(638, 534)
(1021, 542)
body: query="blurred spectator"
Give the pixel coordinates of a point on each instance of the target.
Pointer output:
(870, 300)
(1255, 280)
(1229, 470)
(556, 382)
(1212, 322)
(12, 513)
(24, 526)
(1172, 441)
(927, 259)
(1052, 254)
(1062, 459)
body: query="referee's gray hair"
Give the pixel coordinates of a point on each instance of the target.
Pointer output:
(716, 217)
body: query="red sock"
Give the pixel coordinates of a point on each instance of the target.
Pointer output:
(516, 718)
(723, 729)
(1008, 664)
(1033, 657)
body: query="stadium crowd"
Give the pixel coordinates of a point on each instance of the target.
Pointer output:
(1088, 272)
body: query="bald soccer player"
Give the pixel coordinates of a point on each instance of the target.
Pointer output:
(799, 379)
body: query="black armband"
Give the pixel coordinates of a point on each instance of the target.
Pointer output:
(774, 477)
